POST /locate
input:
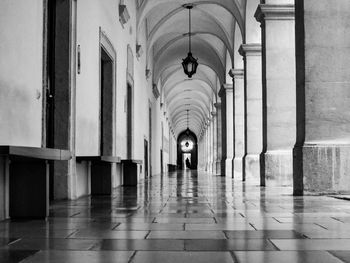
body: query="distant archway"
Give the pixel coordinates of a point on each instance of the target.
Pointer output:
(187, 147)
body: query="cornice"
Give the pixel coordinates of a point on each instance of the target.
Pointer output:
(274, 12)
(236, 73)
(253, 49)
(224, 89)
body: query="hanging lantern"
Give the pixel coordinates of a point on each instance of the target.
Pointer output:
(189, 63)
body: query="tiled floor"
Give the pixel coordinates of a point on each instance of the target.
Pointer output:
(186, 217)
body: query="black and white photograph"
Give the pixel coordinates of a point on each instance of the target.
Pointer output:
(175, 131)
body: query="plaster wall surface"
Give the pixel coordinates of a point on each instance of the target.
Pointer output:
(21, 72)
(327, 83)
(92, 16)
(253, 116)
(253, 33)
(229, 64)
(83, 179)
(238, 60)
(218, 167)
(326, 168)
(156, 137)
(239, 127)
(229, 130)
(280, 84)
(327, 96)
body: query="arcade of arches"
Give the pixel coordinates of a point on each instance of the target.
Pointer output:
(94, 101)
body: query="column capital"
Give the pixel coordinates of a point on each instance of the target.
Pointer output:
(275, 12)
(252, 49)
(236, 73)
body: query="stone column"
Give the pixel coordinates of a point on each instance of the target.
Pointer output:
(208, 146)
(210, 155)
(239, 117)
(215, 141)
(253, 122)
(279, 103)
(222, 95)
(64, 173)
(322, 152)
(219, 138)
(229, 130)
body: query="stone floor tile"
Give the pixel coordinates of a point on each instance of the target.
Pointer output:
(145, 245)
(59, 256)
(186, 235)
(225, 244)
(54, 244)
(285, 257)
(156, 226)
(238, 226)
(183, 257)
(264, 234)
(14, 256)
(5, 241)
(92, 234)
(312, 244)
(185, 220)
(343, 255)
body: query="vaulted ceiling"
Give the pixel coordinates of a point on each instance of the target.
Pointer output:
(214, 23)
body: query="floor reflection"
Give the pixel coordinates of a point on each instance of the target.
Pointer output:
(185, 216)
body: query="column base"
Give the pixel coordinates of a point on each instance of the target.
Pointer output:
(223, 170)
(238, 168)
(279, 167)
(214, 168)
(228, 168)
(218, 167)
(252, 168)
(83, 178)
(325, 168)
(210, 167)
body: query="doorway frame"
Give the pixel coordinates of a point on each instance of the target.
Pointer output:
(107, 46)
(130, 83)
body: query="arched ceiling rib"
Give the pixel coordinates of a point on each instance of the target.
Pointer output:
(201, 50)
(175, 74)
(213, 33)
(172, 89)
(234, 7)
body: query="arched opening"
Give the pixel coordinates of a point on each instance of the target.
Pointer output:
(187, 151)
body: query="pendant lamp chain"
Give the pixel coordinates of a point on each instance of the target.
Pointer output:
(189, 63)
(189, 30)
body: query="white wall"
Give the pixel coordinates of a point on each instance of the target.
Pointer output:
(156, 136)
(21, 49)
(253, 30)
(92, 15)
